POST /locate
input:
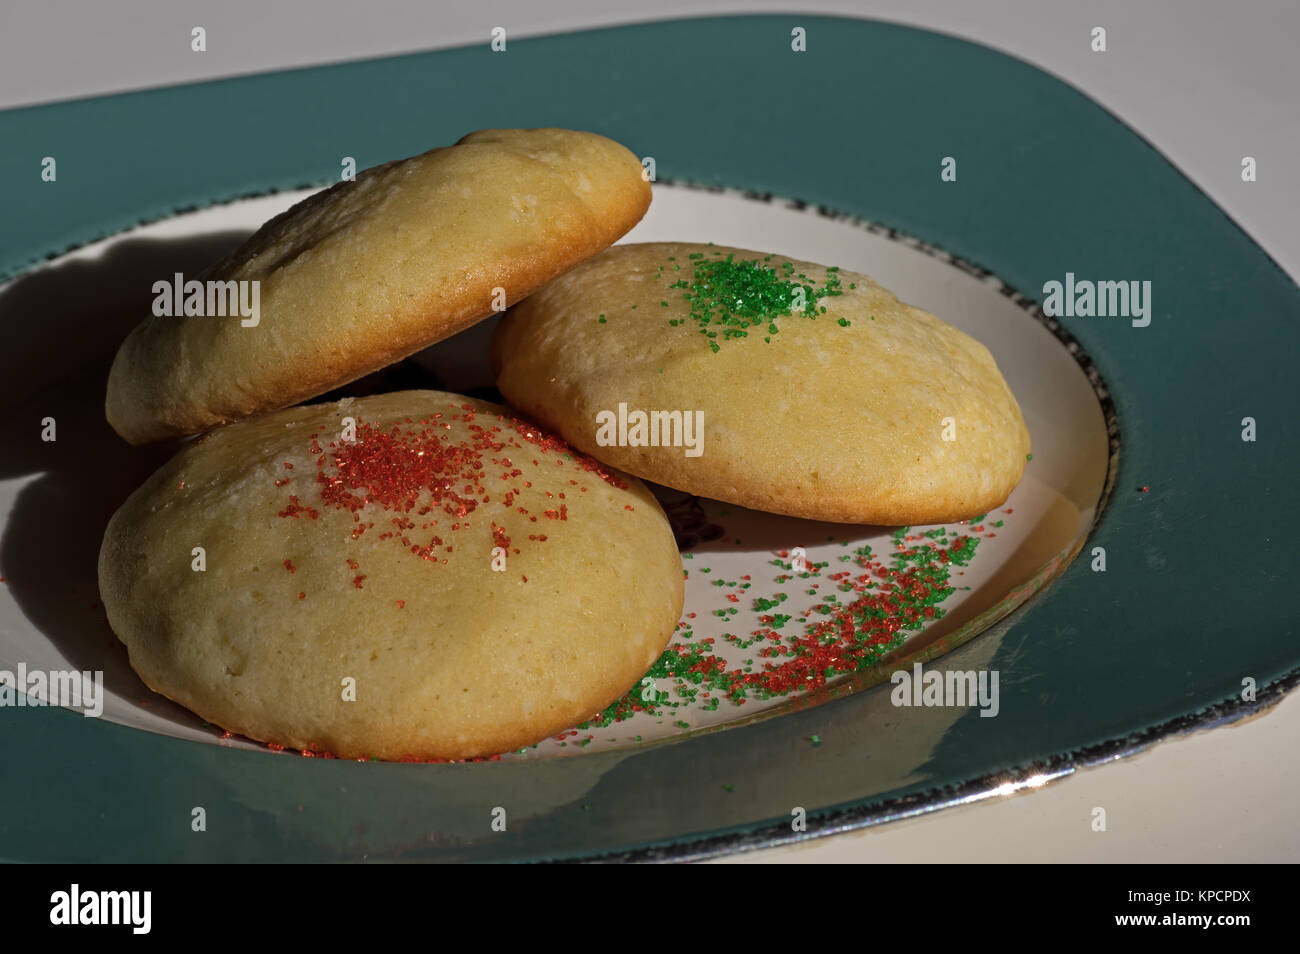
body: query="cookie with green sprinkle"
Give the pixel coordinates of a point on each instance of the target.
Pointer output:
(765, 381)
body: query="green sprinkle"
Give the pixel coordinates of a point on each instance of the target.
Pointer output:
(601, 319)
(727, 296)
(843, 322)
(791, 651)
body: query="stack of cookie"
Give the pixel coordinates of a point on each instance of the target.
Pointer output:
(423, 575)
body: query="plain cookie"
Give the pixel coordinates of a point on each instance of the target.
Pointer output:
(368, 272)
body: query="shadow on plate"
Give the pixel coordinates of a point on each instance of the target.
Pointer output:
(65, 323)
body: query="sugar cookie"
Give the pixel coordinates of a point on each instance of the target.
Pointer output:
(409, 575)
(370, 271)
(767, 382)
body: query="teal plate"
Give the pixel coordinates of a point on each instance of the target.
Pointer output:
(1050, 183)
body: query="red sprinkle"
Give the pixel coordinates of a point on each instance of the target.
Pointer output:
(419, 472)
(295, 508)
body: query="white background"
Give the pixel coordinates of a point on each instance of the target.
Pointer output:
(1206, 83)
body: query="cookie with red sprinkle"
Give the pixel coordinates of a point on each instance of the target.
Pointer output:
(438, 579)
